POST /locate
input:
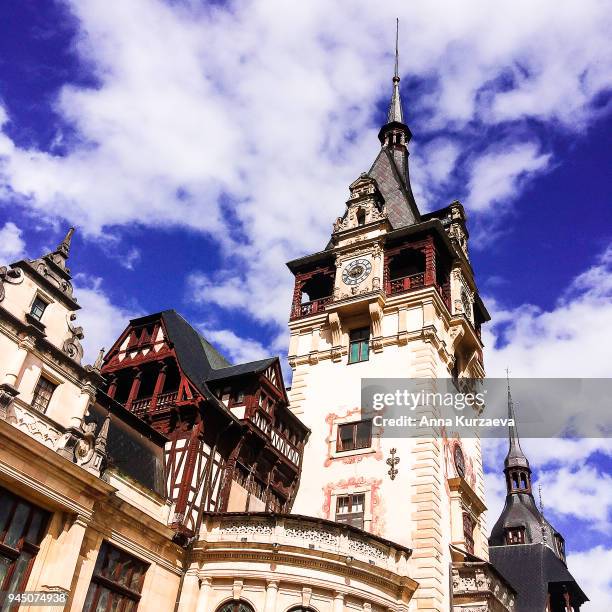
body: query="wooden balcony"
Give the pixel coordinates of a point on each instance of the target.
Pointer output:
(406, 283)
(278, 440)
(413, 282)
(309, 308)
(143, 405)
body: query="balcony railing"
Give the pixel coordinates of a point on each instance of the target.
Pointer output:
(143, 405)
(278, 440)
(309, 308)
(300, 533)
(406, 283)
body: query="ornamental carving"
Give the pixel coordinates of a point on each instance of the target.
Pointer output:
(322, 536)
(363, 548)
(10, 276)
(34, 424)
(237, 528)
(72, 345)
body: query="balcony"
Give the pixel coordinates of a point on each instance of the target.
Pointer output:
(309, 308)
(479, 583)
(141, 406)
(336, 563)
(307, 533)
(413, 282)
(278, 440)
(406, 283)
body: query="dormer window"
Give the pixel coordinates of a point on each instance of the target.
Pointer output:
(560, 545)
(38, 308)
(515, 535)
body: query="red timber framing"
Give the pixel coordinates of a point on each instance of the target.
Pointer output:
(267, 464)
(213, 448)
(326, 275)
(434, 270)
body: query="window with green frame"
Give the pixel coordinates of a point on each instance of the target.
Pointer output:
(359, 345)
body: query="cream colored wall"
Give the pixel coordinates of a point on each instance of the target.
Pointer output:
(414, 509)
(18, 301)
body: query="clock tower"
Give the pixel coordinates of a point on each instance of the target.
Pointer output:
(392, 295)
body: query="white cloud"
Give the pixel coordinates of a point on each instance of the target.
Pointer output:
(239, 349)
(102, 321)
(591, 569)
(590, 500)
(264, 111)
(12, 246)
(496, 177)
(571, 340)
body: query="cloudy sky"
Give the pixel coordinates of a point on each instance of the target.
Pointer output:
(198, 146)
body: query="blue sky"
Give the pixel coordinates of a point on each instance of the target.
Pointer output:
(197, 147)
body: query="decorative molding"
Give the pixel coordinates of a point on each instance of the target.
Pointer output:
(12, 276)
(72, 345)
(392, 461)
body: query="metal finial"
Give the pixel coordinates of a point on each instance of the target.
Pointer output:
(395, 113)
(396, 74)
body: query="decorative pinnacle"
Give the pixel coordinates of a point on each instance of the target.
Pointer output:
(64, 246)
(515, 456)
(395, 113)
(97, 366)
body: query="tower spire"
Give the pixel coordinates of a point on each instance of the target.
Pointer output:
(395, 114)
(63, 248)
(515, 456)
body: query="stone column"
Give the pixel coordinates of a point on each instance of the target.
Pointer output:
(338, 602)
(204, 595)
(271, 593)
(16, 363)
(63, 553)
(189, 591)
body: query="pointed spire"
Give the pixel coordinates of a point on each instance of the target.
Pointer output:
(97, 366)
(515, 456)
(395, 113)
(63, 248)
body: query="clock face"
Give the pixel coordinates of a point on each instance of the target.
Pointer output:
(356, 271)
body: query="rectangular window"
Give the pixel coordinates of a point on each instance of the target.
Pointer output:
(117, 581)
(22, 527)
(468, 532)
(38, 308)
(515, 535)
(353, 436)
(42, 394)
(350, 509)
(359, 340)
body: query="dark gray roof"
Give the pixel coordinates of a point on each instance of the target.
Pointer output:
(196, 356)
(530, 568)
(520, 510)
(395, 189)
(252, 367)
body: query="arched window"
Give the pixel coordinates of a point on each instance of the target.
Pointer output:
(361, 217)
(302, 609)
(235, 606)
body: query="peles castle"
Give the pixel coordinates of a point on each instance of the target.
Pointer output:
(164, 478)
